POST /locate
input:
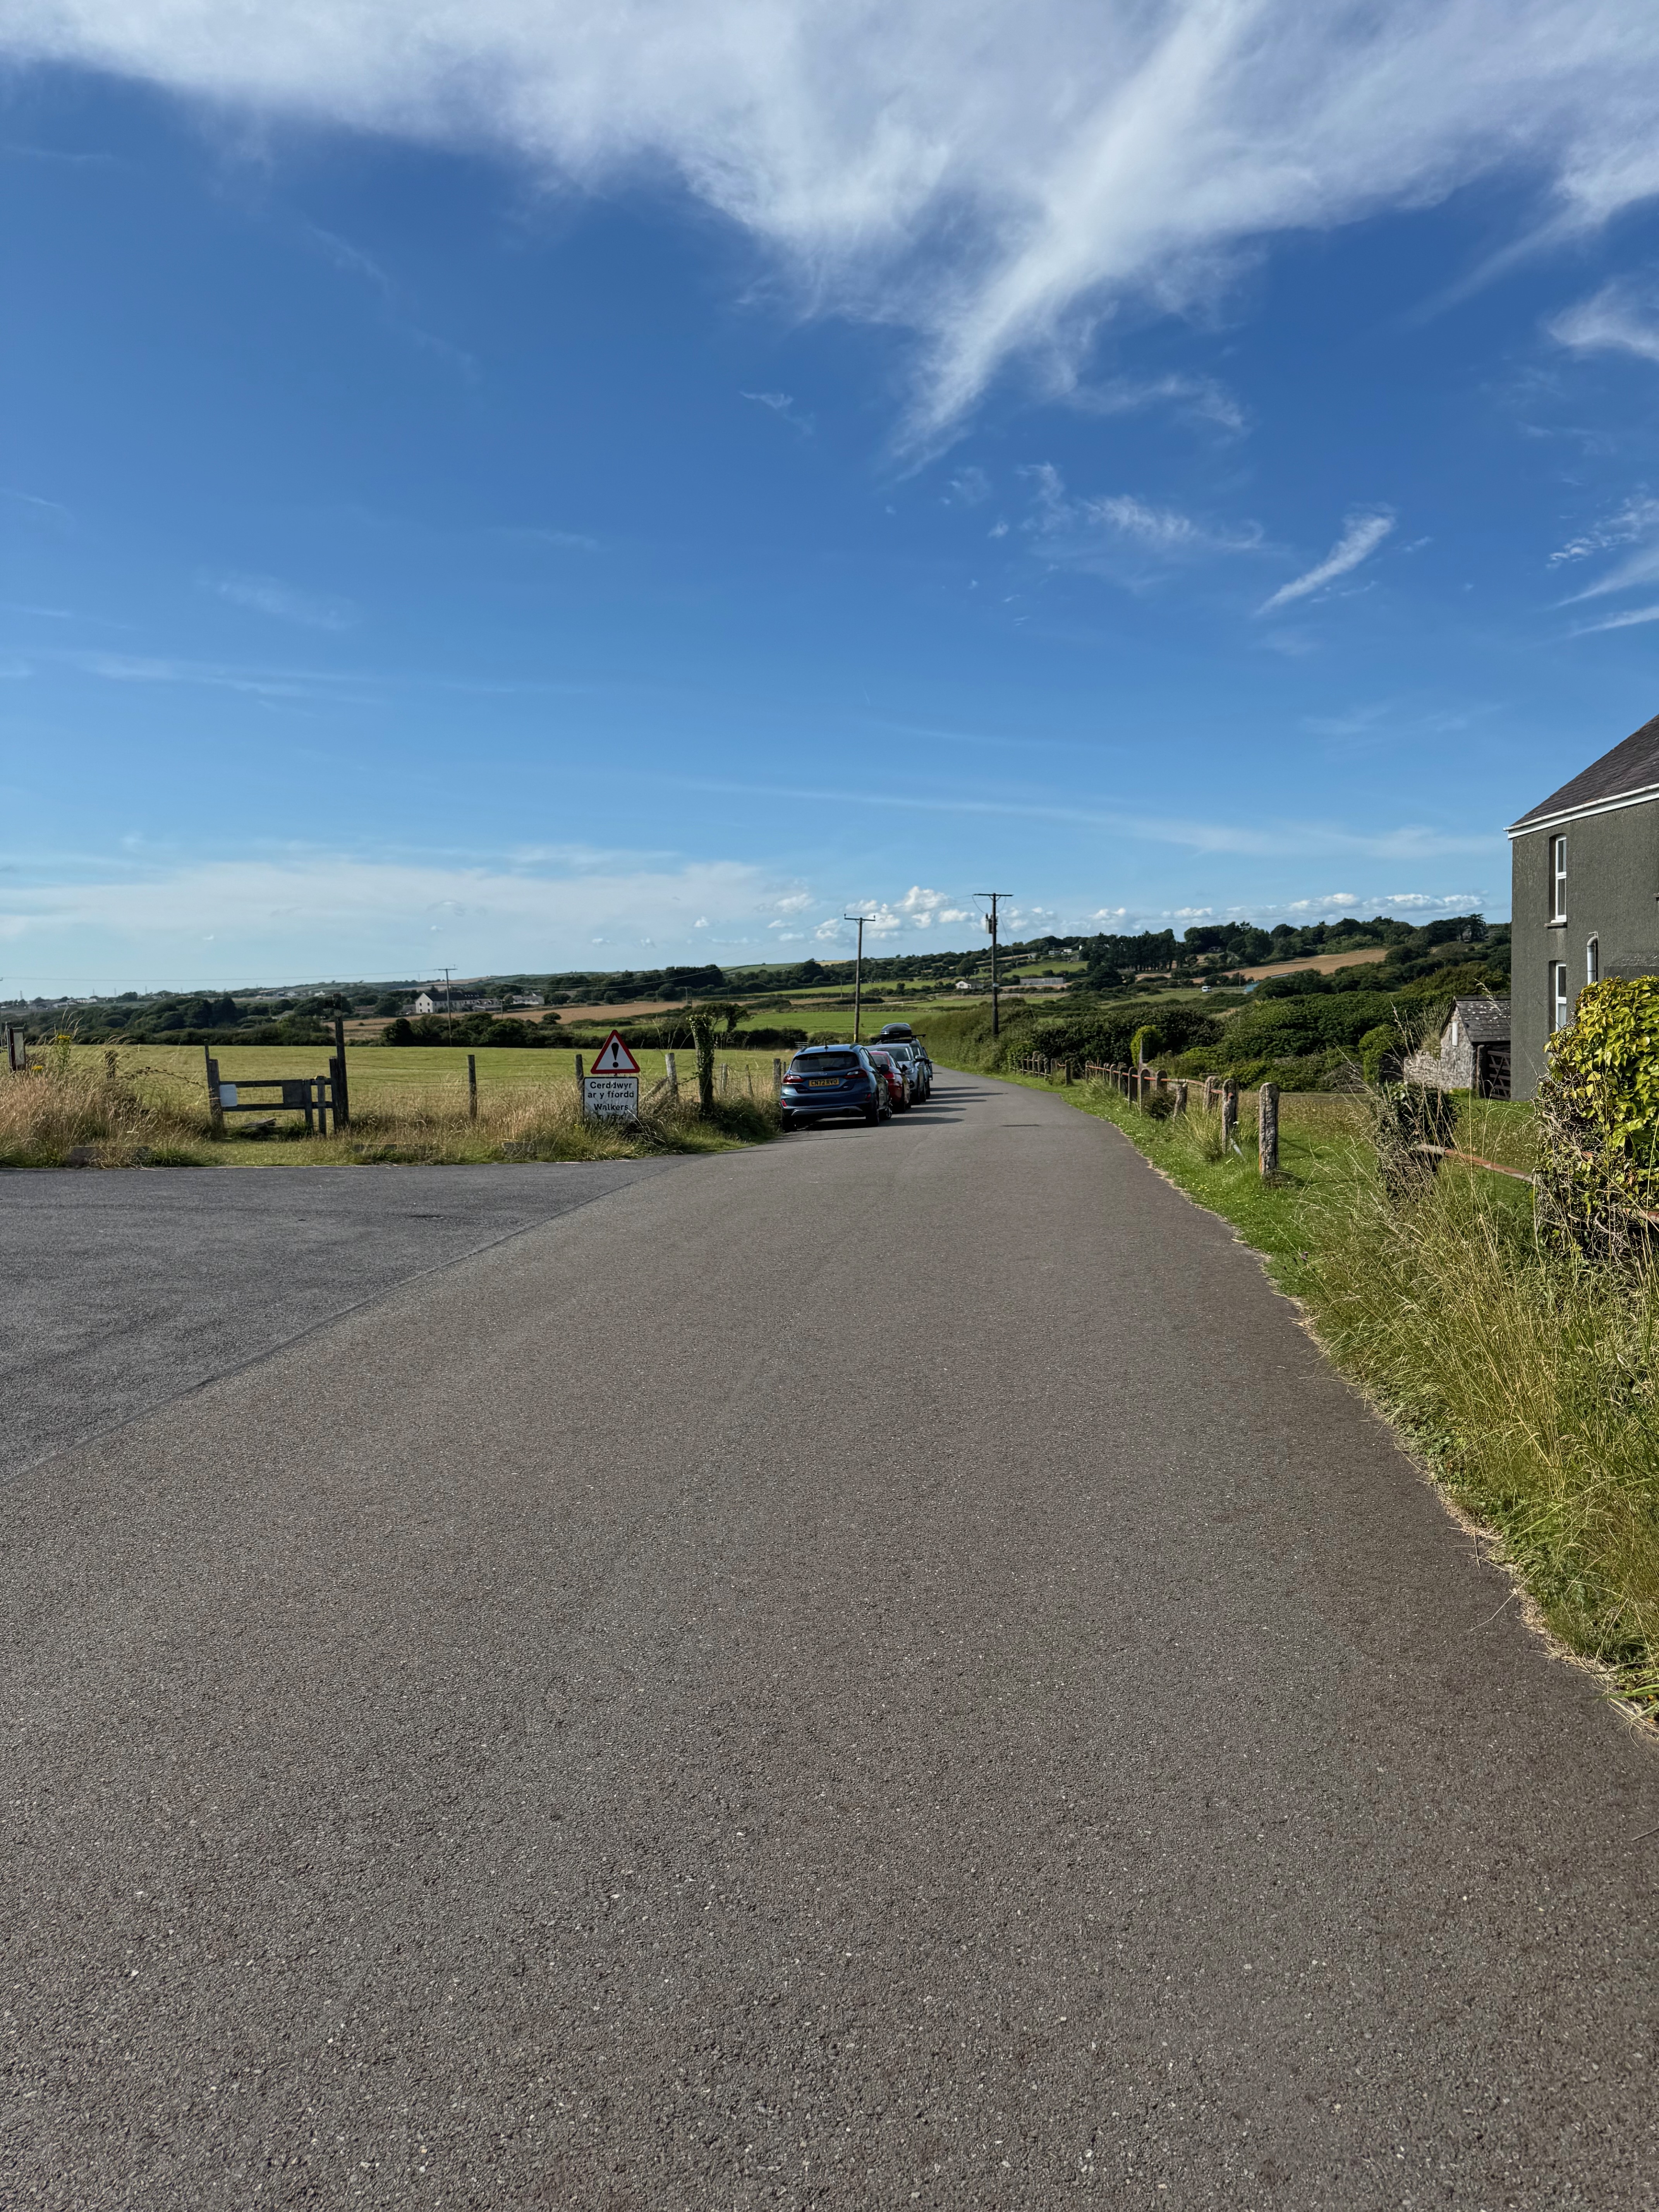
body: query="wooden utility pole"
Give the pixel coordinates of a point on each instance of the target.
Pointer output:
(857, 972)
(991, 924)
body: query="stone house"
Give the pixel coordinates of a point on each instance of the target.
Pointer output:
(1472, 1052)
(1585, 871)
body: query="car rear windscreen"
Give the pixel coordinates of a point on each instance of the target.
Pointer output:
(826, 1063)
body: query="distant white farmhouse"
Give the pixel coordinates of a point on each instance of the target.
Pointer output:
(436, 1001)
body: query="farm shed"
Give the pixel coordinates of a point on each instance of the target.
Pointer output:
(1472, 1052)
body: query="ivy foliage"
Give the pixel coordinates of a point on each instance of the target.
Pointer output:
(1608, 1061)
(1598, 1118)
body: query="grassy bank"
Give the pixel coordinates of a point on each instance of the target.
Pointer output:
(1528, 1384)
(147, 1106)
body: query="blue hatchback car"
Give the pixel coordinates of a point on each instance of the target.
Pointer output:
(828, 1080)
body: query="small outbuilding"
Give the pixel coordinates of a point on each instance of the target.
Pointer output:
(1472, 1052)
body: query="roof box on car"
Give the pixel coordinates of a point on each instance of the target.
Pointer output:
(896, 1033)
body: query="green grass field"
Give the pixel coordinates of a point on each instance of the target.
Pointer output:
(394, 1074)
(408, 1103)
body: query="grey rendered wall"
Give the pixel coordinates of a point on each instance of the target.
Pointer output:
(1612, 876)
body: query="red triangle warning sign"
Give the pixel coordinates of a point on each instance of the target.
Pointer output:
(613, 1058)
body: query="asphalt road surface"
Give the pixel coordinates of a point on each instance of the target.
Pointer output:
(881, 1670)
(119, 1291)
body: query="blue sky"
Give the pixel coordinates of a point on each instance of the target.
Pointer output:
(533, 487)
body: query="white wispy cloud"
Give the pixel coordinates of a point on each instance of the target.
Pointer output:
(1623, 316)
(782, 405)
(1361, 535)
(1122, 535)
(995, 182)
(1628, 621)
(268, 595)
(562, 541)
(1636, 524)
(1199, 396)
(29, 506)
(1407, 842)
(1637, 518)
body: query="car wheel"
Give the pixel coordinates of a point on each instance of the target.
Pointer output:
(786, 1121)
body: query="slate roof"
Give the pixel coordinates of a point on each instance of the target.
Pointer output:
(1628, 768)
(1486, 1021)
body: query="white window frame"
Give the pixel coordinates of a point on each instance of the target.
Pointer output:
(1592, 960)
(1559, 1009)
(1558, 877)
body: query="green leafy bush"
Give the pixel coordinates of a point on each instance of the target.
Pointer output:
(1598, 1118)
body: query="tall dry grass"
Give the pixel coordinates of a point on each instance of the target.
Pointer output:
(1528, 1375)
(542, 1122)
(124, 1115)
(60, 1109)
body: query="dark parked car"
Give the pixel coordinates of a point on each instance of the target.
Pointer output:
(909, 1058)
(921, 1067)
(898, 1075)
(825, 1081)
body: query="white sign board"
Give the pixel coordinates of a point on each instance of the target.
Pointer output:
(227, 1094)
(611, 1097)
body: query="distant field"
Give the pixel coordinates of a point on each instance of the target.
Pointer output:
(1326, 962)
(759, 1016)
(635, 1010)
(395, 1073)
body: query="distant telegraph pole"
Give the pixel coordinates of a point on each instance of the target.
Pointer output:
(858, 971)
(991, 924)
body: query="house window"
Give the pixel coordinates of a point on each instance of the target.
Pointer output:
(1558, 994)
(1593, 961)
(1558, 878)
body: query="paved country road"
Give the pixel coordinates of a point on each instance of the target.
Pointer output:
(122, 1291)
(880, 1670)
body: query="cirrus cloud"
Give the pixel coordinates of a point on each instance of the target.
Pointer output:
(1361, 535)
(995, 176)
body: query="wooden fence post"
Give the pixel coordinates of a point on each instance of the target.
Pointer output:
(671, 1074)
(777, 1079)
(342, 1088)
(1230, 1113)
(1209, 1094)
(472, 1086)
(1267, 1129)
(215, 1108)
(1180, 1097)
